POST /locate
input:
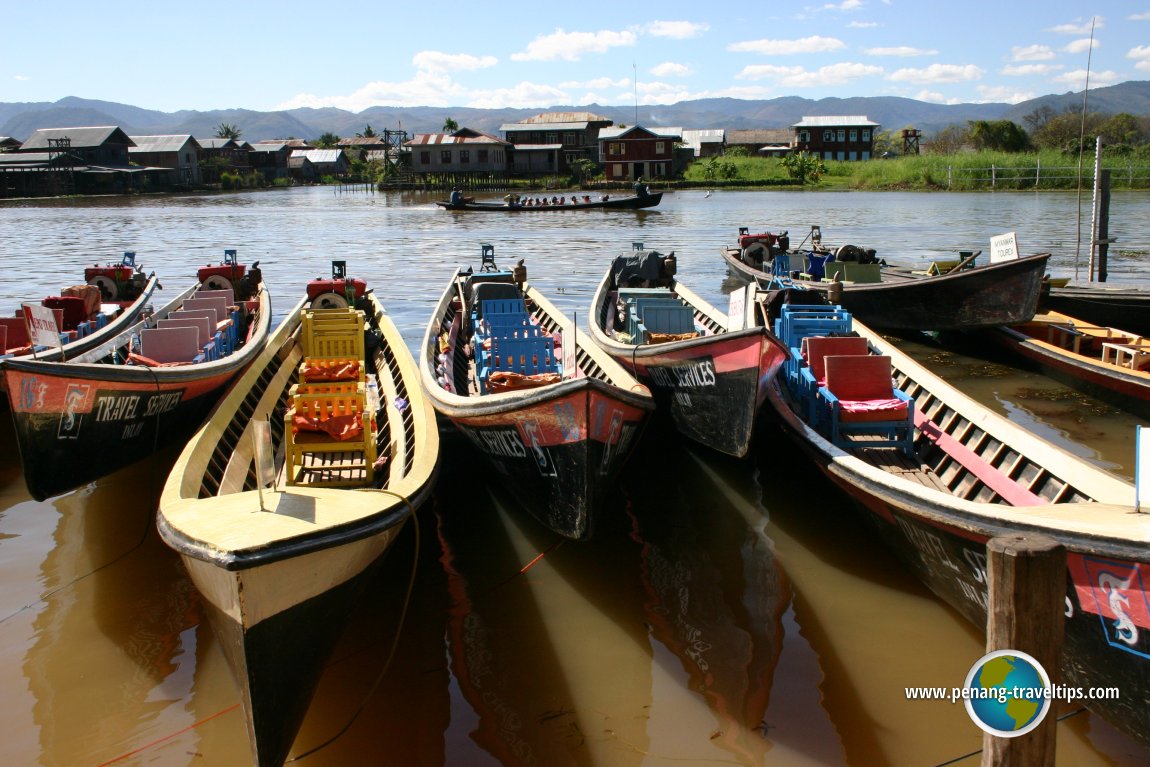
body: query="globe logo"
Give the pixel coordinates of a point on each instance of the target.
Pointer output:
(1007, 693)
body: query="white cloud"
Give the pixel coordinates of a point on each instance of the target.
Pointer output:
(934, 97)
(901, 50)
(21, 78)
(814, 44)
(1078, 27)
(670, 69)
(1003, 94)
(862, 25)
(572, 46)
(938, 73)
(1078, 78)
(1030, 70)
(1139, 16)
(1141, 56)
(522, 95)
(845, 5)
(599, 83)
(677, 30)
(1080, 46)
(800, 77)
(1031, 53)
(437, 61)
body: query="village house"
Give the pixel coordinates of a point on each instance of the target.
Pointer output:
(320, 162)
(180, 153)
(551, 142)
(9, 144)
(465, 151)
(835, 137)
(706, 142)
(762, 142)
(270, 159)
(628, 154)
(80, 160)
(220, 154)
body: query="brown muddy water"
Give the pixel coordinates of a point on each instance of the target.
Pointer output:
(733, 613)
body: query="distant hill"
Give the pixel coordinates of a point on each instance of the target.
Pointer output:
(20, 120)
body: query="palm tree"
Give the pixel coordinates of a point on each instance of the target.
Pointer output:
(368, 132)
(450, 126)
(227, 130)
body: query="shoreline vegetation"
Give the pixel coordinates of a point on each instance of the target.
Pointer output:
(967, 171)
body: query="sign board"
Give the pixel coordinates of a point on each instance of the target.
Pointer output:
(41, 324)
(1141, 457)
(570, 346)
(1003, 247)
(737, 310)
(265, 464)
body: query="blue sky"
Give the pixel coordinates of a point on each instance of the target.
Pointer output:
(170, 56)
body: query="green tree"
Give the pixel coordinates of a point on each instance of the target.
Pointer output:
(227, 130)
(584, 169)
(368, 132)
(450, 126)
(1122, 129)
(327, 141)
(737, 151)
(998, 135)
(804, 167)
(949, 140)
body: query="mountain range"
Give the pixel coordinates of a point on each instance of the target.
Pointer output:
(20, 119)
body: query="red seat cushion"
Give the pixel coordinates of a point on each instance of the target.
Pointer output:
(868, 410)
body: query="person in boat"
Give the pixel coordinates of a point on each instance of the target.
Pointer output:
(640, 187)
(456, 196)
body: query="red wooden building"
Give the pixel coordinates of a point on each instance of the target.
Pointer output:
(835, 137)
(627, 154)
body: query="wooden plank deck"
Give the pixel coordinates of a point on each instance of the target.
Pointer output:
(899, 464)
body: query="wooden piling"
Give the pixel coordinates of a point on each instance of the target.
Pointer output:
(1026, 577)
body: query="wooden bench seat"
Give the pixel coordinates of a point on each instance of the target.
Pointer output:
(865, 409)
(330, 439)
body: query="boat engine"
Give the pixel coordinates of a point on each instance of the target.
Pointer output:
(337, 292)
(118, 282)
(227, 274)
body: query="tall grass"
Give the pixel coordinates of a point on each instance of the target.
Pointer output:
(968, 171)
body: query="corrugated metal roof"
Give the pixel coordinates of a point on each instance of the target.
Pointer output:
(318, 155)
(765, 136)
(613, 132)
(217, 143)
(162, 143)
(512, 127)
(91, 136)
(834, 121)
(474, 137)
(566, 117)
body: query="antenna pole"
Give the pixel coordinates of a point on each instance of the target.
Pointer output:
(1081, 134)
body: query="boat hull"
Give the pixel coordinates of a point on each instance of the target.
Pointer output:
(994, 294)
(559, 455)
(1127, 308)
(75, 425)
(1124, 388)
(127, 317)
(942, 534)
(281, 567)
(711, 386)
(274, 620)
(558, 448)
(619, 203)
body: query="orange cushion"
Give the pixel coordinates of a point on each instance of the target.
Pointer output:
(503, 380)
(340, 427)
(315, 371)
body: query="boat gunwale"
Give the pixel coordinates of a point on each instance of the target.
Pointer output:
(454, 405)
(365, 515)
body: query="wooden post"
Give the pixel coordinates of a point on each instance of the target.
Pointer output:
(1026, 578)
